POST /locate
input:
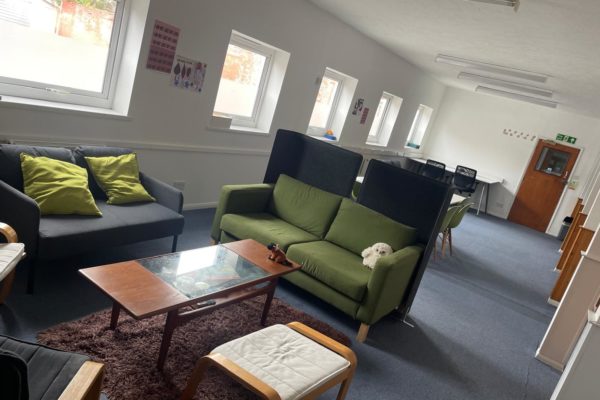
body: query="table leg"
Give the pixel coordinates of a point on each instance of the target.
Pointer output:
(170, 326)
(481, 198)
(114, 317)
(487, 196)
(270, 294)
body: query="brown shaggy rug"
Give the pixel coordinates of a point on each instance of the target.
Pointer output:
(130, 352)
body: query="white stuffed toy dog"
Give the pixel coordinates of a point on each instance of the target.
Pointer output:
(372, 254)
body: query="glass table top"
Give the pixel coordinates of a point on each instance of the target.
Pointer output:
(200, 272)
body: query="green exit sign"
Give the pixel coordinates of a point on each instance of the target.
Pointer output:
(565, 138)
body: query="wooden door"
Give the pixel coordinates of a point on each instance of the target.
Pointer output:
(544, 181)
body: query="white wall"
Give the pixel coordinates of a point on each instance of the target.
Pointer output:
(468, 131)
(167, 126)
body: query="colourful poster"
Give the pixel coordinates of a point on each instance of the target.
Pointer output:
(188, 74)
(363, 117)
(162, 47)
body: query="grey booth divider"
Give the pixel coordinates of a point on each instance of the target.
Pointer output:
(313, 161)
(411, 199)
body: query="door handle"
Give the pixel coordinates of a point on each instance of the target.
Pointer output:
(565, 178)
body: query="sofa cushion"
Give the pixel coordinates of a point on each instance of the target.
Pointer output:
(58, 187)
(336, 267)
(81, 152)
(304, 206)
(49, 370)
(357, 227)
(10, 160)
(119, 178)
(264, 228)
(120, 224)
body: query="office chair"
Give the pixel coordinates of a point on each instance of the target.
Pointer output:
(464, 179)
(434, 169)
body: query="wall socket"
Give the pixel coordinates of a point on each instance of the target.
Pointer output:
(179, 185)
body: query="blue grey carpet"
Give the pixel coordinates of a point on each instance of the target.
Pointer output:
(478, 316)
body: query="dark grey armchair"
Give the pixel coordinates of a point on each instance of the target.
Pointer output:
(34, 372)
(54, 237)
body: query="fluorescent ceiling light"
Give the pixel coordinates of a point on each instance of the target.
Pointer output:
(496, 69)
(510, 3)
(505, 84)
(516, 96)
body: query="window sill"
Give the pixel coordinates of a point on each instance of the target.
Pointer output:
(239, 129)
(324, 139)
(376, 144)
(42, 105)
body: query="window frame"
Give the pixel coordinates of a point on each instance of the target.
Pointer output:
(340, 78)
(417, 121)
(247, 43)
(63, 94)
(376, 138)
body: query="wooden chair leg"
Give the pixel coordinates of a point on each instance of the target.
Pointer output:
(450, 240)
(444, 237)
(363, 331)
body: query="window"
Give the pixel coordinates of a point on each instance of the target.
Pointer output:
(250, 84)
(419, 127)
(332, 104)
(61, 51)
(384, 120)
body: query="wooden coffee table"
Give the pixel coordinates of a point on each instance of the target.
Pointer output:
(188, 284)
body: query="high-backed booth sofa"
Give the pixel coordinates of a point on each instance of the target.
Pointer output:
(326, 232)
(52, 237)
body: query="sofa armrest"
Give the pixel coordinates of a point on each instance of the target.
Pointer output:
(387, 283)
(164, 194)
(240, 199)
(22, 213)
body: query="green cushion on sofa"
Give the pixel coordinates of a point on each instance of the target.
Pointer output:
(264, 228)
(334, 266)
(357, 227)
(58, 187)
(303, 205)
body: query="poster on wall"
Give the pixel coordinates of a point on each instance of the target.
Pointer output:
(162, 47)
(188, 74)
(358, 106)
(365, 114)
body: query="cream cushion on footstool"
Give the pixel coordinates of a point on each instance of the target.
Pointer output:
(289, 362)
(10, 255)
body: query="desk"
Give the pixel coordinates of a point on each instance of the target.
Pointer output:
(486, 181)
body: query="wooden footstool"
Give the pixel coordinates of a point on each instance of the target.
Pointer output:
(286, 362)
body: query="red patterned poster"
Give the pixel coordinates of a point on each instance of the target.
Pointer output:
(162, 47)
(363, 117)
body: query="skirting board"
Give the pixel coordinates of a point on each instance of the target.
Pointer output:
(548, 361)
(199, 206)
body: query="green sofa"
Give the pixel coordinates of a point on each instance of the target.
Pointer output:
(326, 234)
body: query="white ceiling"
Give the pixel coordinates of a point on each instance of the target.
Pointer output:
(560, 38)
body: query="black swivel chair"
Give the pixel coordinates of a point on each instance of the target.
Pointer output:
(434, 169)
(464, 179)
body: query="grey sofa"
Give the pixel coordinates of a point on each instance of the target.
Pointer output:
(54, 237)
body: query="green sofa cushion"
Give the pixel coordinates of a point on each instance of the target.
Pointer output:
(357, 227)
(264, 228)
(303, 205)
(334, 266)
